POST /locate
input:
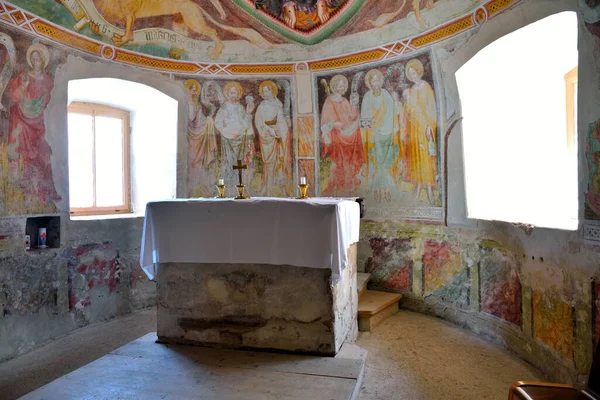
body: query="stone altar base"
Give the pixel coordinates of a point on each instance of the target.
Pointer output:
(257, 306)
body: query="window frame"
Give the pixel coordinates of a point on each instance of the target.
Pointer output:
(95, 109)
(571, 79)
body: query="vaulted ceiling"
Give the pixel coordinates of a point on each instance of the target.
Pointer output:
(277, 30)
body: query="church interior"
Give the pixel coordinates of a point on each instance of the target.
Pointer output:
(331, 199)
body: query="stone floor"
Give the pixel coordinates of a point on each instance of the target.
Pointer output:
(417, 357)
(411, 356)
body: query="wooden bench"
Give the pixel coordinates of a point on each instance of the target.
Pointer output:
(550, 391)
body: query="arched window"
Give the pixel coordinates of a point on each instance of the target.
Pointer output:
(518, 126)
(122, 146)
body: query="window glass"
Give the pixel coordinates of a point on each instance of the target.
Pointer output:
(109, 161)
(81, 159)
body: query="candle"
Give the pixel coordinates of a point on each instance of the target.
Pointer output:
(221, 181)
(303, 180)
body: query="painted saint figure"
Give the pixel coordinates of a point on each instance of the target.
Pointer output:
(342, 141)
(378, 128)
(275, 142)
(201, 130)
(202, 141)
(235, 126)
(30, 94)
(420, 159)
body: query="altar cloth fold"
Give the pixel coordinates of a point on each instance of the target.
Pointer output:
(304, 233)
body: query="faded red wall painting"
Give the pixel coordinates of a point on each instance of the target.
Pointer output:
(89, 266)
(26, 181)
(391, 266)
(445, 277)
(500, 286)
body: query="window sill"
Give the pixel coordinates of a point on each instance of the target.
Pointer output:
(563, 224)
(106, 216)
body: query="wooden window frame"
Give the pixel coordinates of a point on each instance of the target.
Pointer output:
(94, 110)
(571, 79)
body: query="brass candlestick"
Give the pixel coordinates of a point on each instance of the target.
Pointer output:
(240, 189)
(303, 189)
(221, 189)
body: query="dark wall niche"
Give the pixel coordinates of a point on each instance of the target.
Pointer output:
(52, 225)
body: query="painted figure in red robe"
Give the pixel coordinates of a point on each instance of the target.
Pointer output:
(30, 94)
(342, 142)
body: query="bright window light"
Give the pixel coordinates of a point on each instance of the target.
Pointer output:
(519, 165)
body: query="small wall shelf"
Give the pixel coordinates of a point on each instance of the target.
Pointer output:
(52, 225)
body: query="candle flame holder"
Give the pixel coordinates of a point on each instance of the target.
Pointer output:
(221, 189)
(241, 189)
(303, 189)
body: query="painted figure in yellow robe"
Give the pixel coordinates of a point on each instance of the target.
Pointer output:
(420, 155)
(378, 127)
(275, 143)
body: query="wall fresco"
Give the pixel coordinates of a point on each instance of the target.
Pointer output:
(26, 182)
(306, 139)
(592, 155)
(89, 266)
(553, 321)
(247, 120)
(390, 265)
(274, 30)
(444, 274)
(380, 140)
(500, 286)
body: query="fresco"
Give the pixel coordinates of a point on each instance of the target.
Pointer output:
(26, 182)
(261, 30)
(553, 321)
(246, 120)
(88, 266)
(444, 274)
(390, 265)
(306, 138)
(306, 15)
(500, 286)
(592, 155)
(379, 138)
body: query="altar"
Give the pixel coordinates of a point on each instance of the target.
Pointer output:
(261, 273)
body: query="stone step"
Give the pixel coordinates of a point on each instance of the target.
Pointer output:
(362, 279)
(374, 307)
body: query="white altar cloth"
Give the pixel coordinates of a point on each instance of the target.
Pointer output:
(304, 233)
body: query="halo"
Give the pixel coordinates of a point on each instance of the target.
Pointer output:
(333, 82)
(192, 82)
(370, 74)
(42, 51)
(236, 85)
(416, 65)
(271, 84)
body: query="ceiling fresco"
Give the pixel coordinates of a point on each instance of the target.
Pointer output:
(251, 31)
